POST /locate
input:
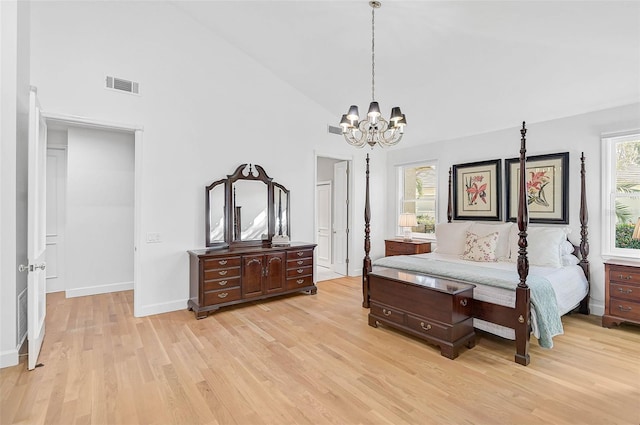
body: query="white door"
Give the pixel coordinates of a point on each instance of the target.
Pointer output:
(323, 195)
(341, 217)
(36, 230)
(56, 200)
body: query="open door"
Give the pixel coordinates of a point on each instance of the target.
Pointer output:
(341, 218)
(36, 229)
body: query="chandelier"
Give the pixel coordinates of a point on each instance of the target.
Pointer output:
(373, 129)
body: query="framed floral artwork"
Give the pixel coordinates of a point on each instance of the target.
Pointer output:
(476, 190)
(547, 188)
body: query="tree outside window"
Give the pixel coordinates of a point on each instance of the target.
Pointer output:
(418, 195)
(627, 193)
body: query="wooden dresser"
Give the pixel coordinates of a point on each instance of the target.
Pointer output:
(436, 310)
(621, 292)
(222, 277)
(399, 246)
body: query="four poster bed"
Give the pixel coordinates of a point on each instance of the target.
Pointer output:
(503, 303)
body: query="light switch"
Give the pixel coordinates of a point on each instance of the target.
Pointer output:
(153, 237)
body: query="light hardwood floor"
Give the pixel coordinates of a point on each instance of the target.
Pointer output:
(308, 359)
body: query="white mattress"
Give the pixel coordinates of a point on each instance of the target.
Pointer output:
(569, 283)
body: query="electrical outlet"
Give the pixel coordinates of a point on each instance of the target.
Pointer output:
(153, 237)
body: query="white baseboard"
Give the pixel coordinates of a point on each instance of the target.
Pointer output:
(150, 309)
(99, 289)
(8, 358)
(596, 309)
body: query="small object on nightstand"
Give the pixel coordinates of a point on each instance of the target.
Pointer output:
(401, 247)
(621, 292)
(407, 221)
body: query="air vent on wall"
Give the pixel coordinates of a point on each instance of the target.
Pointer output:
(333, 129)
(122, 85)
(22, 316)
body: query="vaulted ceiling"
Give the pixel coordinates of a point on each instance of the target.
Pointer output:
(454, 67)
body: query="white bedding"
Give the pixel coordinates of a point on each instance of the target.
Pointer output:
(569, 284)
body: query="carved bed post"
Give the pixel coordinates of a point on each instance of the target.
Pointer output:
(522, 325)
(366, 263)
(450, 201)
(584, 243)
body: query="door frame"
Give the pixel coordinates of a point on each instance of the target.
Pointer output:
(349, 158)
(137, 130)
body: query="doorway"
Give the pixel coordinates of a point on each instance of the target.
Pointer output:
(94, 218)
(332, 216)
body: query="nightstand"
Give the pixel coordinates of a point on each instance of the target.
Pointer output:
(399, 246)
(621, 292)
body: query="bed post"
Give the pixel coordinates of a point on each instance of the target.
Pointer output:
(450, 201)
(366, 263)
(584, 242)
(522, 324)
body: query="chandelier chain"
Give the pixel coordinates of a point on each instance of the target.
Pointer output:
(373, 54)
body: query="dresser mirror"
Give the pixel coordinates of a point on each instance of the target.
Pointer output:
(246, 208)
(215, 206)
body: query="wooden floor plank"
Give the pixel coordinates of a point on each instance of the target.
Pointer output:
(308, 359)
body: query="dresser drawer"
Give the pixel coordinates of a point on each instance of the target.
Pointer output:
(624, 292)
(388, 313)
(300, 262)
(221, 263)
(299, 282)
(429, 327)
(624, 309)
(398, 250)
(216, 284)
(622, 274)
(222, 296)
(302, 253)
(221, 273)
(300, 271)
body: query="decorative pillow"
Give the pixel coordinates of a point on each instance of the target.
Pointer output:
(543, 245)
(450, 237)
(503, 229)
(480, 248)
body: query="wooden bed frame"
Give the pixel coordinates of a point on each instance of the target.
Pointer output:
(518, 317)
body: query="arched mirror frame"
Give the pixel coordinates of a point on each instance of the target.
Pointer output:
(246, 172)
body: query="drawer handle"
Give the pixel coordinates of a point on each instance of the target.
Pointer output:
(628, 277)
(223, 282)
(386, 312)
(426, 327)
(300, 253)
(300, 270)
(624, 309)
(300, 281)
(223, 295)
(300, 262)
(222, 262)
(222, 272)
(463, 302)
(625, 291)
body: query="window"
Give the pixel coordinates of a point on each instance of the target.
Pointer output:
(418, 194)
(621, 195)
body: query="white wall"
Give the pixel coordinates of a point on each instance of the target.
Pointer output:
(205, 108)
(14, 105)
(573, 134)
(100, 199)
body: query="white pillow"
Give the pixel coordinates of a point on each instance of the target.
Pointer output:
(480, 248)
(543, 245)
(566, 248)
(503, 229)
(569, 260)
(450, 237)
